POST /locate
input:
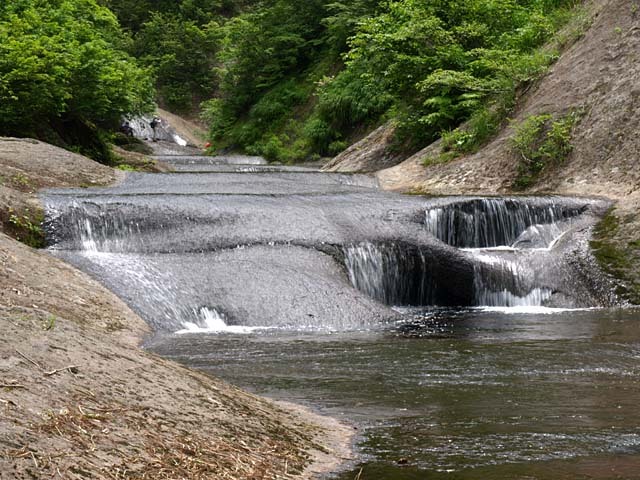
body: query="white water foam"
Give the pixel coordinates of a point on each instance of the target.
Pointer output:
(211, 321)
(531, 310)
(179, 140)
(504, 298)
(86, 237)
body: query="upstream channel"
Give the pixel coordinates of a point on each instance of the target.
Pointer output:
(462, 337)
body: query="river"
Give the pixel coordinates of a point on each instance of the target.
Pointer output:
(467, 394)
(462, 337)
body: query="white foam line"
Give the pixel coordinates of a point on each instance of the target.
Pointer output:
(179, 140)
(531, 310)
(214, 322)
(238, 329)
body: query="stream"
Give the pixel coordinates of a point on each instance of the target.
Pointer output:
(462, 337)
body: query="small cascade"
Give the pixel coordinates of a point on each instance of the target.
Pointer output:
(210, 320)
(148, 288)
(390, 273)
(93, 227)
(492, 222)
(506, 282)
(509, 244)
(145, 128)
(402, 275)
(539, 236)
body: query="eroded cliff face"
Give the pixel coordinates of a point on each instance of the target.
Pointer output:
(598, 75)
(370, 154)
(78, 395)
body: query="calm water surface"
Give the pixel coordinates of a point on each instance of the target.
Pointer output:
(466, 394)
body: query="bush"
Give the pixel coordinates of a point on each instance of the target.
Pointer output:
(336, 147)
(27, 227)
(443, 62)
(349, 99)
(541, 141)
(320, 134)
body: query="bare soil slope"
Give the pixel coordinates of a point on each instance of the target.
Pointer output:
(190, 131)
(79, 399)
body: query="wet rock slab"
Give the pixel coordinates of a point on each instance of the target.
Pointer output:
(282, 247)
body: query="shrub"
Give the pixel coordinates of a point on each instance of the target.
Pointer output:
(320, 134)
(541, 141)
(27, 227)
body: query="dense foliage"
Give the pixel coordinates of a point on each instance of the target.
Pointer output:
(542, 142)
(298, 79)
(63, 67)
(179, 40)
(282, 78)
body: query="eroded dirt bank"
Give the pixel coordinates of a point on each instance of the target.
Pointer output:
(79, 399)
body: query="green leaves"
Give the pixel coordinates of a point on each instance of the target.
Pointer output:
(337, 67)
(62, 59)
(443, 60)
(182, 55)
(542, 141)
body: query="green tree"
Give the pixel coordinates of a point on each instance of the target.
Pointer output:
(63, 59)
(443, 60)
(182, 55)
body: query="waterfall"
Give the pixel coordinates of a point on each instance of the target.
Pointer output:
(397, 274)
(92, 227)
(508, 242)
(141, 128)
(390, 273)
(492, 222)
(506, 282)
(167, 244)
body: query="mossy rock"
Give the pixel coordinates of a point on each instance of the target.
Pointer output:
(131, 144)
(620, 259)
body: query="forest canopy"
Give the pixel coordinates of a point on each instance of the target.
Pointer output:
(286, 79)
(62, 63)
(303, 79)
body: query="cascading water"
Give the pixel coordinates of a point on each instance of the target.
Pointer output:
(509, 242)
(492, 222)
(212, 321)
(507, 282)
(390, 273)
(141, 128)
(169, 245)
(510, 239)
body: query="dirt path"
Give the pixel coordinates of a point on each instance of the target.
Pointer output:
(79, 399)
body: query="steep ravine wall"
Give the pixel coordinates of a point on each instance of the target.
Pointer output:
(599, 74)
(80, 398)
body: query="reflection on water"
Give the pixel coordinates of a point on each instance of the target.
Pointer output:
(465, 394)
